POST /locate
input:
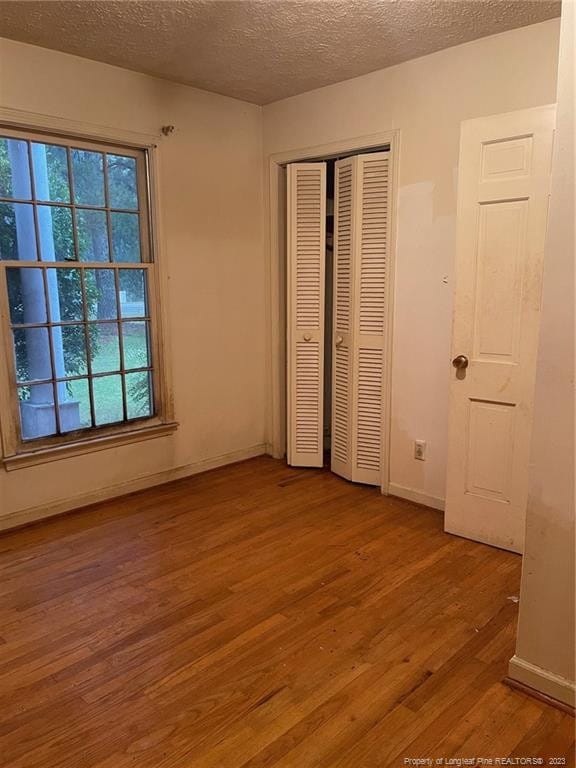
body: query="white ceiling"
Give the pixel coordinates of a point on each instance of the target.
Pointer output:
(261, 50)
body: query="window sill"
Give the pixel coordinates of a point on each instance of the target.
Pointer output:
(90, 445)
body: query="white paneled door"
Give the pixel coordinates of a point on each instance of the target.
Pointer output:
(361, 229)
(502, 211)
(306, 247)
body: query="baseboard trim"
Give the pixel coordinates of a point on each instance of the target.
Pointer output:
(271, 451)
(33, 514)
(522, 673)
(528, 691)
(411, 494)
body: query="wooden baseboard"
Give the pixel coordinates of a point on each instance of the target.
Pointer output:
(541, 683)
(33, 514)
(523, 688)
(411, 494)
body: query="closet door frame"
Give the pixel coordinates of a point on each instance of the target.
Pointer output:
(275, 222)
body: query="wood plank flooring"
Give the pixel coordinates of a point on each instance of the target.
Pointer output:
(259, 616)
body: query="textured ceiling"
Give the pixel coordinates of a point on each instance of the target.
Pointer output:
(261, 50)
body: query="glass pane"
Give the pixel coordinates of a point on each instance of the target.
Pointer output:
(74, 405)
(100, 287)
(122, 182)
(50, 165)
(69, 344)
(37, 412)
(126, 236)
(26, 295)
(88, 172)
(108, 399)
(132, 293)
(32, 354)
(55, 231)
(65, 292)
(14, 169)
(92, 235)
(138, 395)
(104, 347)
(17, 233)
(136, 345)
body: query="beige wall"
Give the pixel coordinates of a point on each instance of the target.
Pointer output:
(211, 206)
(426, 99)
(545, 647)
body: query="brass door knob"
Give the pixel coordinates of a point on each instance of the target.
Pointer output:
(338, 341)
(460, 362)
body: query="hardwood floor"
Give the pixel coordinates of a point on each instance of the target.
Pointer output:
(259, 616)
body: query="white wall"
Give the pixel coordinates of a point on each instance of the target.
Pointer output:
(545, 646)
(211, 206)
(426, 99)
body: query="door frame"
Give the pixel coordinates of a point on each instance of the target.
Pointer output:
(275, 218)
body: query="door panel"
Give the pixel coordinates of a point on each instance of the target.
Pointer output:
(342, 358)
(341, 411)
(502, 209)
(490, 449)
(306, 248)
(360, 290)
(368, 423)
(498, 309)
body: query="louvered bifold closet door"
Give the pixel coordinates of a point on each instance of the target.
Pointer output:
(360, 322)
(370, 315)
(342, 356)
(306, 240)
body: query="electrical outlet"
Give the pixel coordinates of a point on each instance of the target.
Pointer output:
(420, 450)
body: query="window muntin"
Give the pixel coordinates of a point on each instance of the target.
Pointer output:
(75, 249)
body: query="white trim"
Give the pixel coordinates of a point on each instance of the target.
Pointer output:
(355, 144)
(32, 514)
(90, 444)
(411, 494)
(276, 278)
(20, 118)
(548, 683)
(159, 248)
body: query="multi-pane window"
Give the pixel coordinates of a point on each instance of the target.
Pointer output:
(76, 257)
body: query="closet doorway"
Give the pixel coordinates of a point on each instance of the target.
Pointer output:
(332, 221)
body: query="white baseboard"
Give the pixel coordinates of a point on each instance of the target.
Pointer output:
(542, 680)
(411, 494)
(270, 450)
(32, 514)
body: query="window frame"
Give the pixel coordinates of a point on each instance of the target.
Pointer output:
(18, 452)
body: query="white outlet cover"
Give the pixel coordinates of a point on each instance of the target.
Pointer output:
(420, 450)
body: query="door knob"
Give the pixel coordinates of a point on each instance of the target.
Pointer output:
(460, 362)
(338, 341)
(307, 337)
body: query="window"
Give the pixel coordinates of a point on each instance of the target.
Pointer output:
(77, 288)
